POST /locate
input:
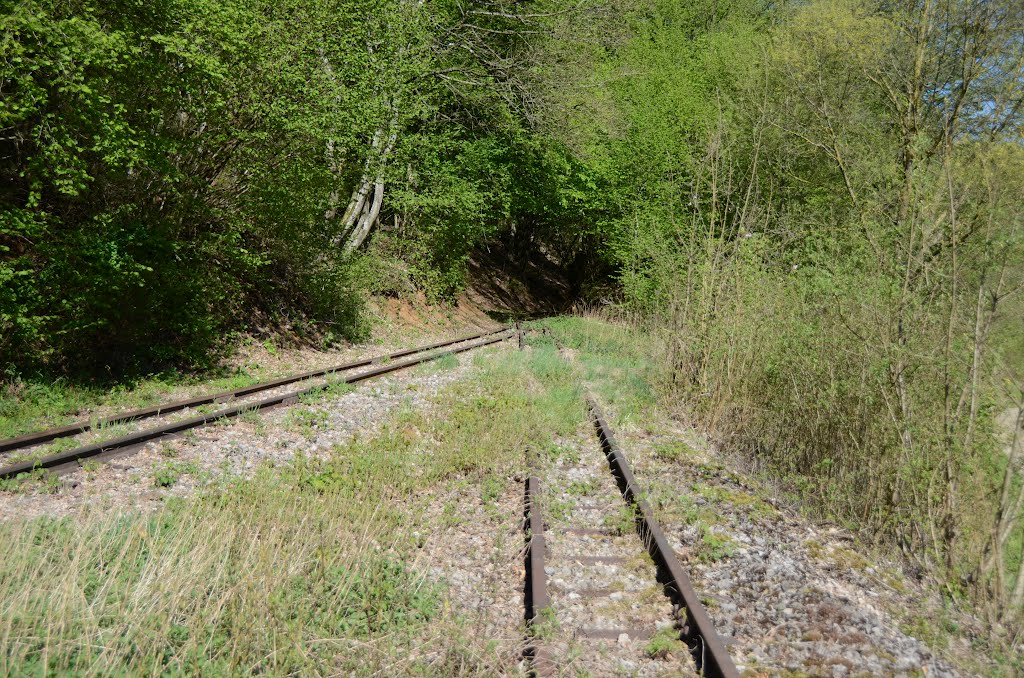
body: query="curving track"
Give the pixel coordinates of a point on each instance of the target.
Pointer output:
(244, 400)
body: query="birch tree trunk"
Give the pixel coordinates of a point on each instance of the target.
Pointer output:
(333, 165)
(372, 210)
(357, 201)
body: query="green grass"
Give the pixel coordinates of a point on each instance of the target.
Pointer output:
(308, 568)
(333, 389)
(583, 488)
(613, 360)
(90, 466)
(306, 421)
(36, 481)
(29, 405)
(193, 590)
(675, 451)
(168, 473)
(714, 546)
(621, 522)
(545, 625)
(442, 364)
(664, 643)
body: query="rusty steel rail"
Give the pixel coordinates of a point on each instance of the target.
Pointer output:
(140, 437)
(536, 587)
(40, 437)
(706, 646)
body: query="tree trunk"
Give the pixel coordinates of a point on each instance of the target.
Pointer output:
(367, 217)
(334, 199)
(357, 202)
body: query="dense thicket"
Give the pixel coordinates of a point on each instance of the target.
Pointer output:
(820, 207)
(173, 168)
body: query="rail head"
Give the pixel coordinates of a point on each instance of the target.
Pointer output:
(537, 600)
(708, 649)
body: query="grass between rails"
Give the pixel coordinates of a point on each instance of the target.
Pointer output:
(28, 405)
(613, 360)
(307, 568)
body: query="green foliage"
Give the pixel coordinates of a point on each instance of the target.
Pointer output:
(38, 480)
(810, 206)
(168, 473)
(814, 208)
(622, 522)
(665, 642)
(94, 264)
(179, 169)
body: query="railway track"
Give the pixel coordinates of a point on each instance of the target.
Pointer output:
(604, 591)
(180, 416)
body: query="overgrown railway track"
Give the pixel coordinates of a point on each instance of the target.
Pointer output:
(603, 571)
(243, 400)
(592, 570)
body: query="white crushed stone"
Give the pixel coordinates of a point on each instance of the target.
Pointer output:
(476, 551)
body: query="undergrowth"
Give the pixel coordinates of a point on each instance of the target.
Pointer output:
(625, 367)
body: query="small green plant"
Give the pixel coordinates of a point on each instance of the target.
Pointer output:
(166, 475)
(559, 509)
(307, 421)
(250, 416)
(714, 546)
(674, 451)
(664, 643)
(492, 489)
(169, 473)
(621, 522)
(223, 421)
(269, 346)
(10, 484)
(583, 488)
(567, 453)
(332, 390)
(545, 624)
(445, 362)
(450, 516)
(90, 466)
(37, 480)
(62, 445)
